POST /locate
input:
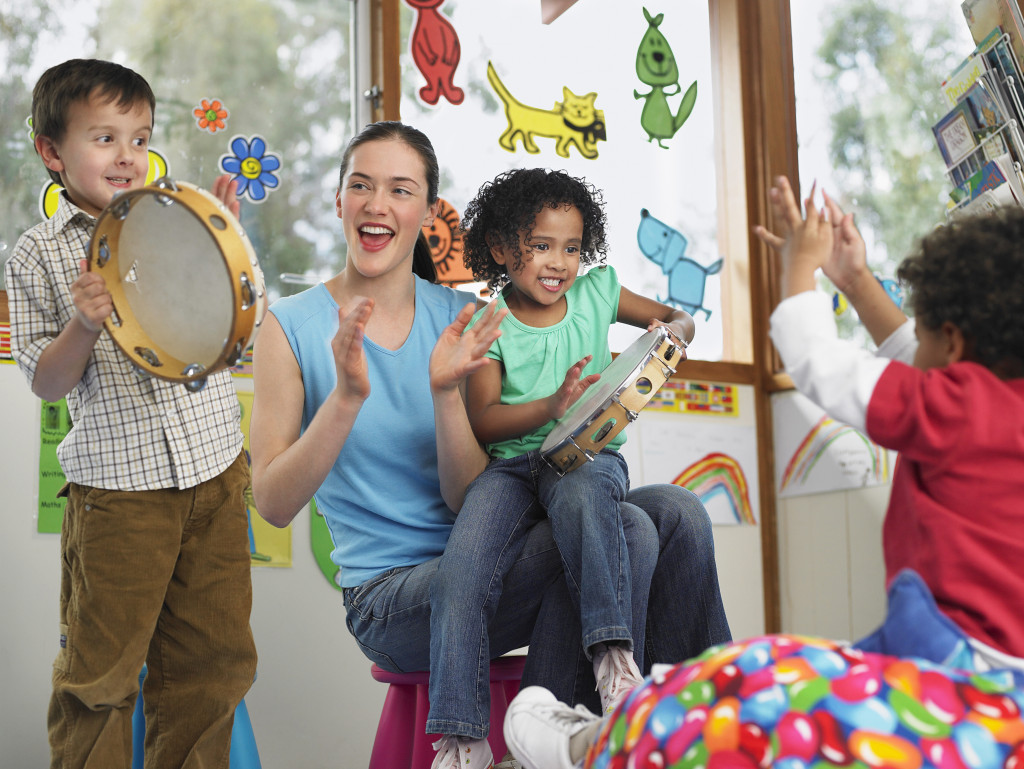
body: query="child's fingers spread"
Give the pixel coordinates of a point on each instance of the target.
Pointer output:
(787, 207)
(768, 238)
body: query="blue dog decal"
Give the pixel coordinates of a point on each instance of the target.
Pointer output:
(666, 247)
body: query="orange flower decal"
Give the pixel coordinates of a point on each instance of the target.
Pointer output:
(211, 115)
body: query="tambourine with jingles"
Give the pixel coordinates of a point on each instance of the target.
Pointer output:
(187, 288)
(626, 386)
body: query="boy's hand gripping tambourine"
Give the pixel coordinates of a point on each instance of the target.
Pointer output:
(626, 386)
(187, 288)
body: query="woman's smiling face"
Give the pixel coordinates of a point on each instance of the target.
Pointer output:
(383, 204)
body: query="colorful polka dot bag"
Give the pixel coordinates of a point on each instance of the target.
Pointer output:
(795, 702)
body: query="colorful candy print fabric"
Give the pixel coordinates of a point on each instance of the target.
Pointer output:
(793, 702)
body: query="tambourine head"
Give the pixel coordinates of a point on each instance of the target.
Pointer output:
(626, 386)
(187, 289)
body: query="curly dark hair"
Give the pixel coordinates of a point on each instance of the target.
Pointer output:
(508, 205)
(970, 273)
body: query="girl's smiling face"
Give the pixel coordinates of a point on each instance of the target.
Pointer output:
(383, 204)
(550, 262)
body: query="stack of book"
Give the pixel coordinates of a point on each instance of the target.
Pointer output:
(980, 136)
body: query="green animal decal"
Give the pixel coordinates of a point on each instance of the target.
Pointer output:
(656, 66)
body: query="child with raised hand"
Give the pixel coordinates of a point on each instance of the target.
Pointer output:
(956, 415)
(154, 543)
(527, 233)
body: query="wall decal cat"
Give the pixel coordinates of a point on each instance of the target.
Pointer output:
(572, 122)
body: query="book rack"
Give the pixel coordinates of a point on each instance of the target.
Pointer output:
(979, 151)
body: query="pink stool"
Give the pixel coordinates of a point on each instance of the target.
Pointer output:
(401, 742)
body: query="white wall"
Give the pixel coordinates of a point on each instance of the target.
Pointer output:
(314, 704)
(831, 572)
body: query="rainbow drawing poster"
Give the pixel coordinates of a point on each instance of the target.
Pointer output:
(713, 457)
(814, 453)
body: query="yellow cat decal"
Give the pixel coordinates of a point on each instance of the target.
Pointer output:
(573, 122)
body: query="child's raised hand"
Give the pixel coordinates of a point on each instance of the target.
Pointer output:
(225, 189)
(458, 352)
(93, 303)
(347, 346)
(848, 262)
(572, 388)
(805, 242)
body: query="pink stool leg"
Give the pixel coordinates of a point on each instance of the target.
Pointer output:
(423, 743)
(393, 745)
(496, 736)
(401, 742)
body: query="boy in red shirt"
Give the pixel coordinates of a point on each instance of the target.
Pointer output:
(956, 416)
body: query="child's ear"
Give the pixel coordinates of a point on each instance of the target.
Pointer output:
(497, 250)
(498, 255)
(954, 344)
(48, 152)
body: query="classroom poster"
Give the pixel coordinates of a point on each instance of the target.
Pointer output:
(53, 426)
(705, 441)
(814, 453)
(268, 545)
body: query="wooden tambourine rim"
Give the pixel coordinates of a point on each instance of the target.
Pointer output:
(236, 254)
(656, 365)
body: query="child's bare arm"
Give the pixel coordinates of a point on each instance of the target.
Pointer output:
(642, 312)
(494, 421)
(63, 363)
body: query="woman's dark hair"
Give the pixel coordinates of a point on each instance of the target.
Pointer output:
(970, 273)
(76, 80)
(508, 205)
(390, 130)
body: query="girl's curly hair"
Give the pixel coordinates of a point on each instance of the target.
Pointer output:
(971, 273)
(508, 205)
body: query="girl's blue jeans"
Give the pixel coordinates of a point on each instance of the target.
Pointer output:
(666, 532)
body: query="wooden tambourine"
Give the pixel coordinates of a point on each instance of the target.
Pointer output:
(626, 386)
(187, 288)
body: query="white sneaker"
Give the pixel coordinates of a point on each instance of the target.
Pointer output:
(462, 753)
(538, 728)
(617, 676)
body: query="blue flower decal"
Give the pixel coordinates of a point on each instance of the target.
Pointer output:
(252, 166)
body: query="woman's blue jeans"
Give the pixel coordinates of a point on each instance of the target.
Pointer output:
(390, 616)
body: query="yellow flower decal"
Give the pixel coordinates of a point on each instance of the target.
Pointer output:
(211, 115)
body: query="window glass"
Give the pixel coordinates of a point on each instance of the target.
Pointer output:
(263, 80)
(867, 80)
(621, 138)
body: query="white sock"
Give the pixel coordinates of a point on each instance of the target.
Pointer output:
(597, 653)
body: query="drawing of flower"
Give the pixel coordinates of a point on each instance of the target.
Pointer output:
(211, 115)
(252, 165)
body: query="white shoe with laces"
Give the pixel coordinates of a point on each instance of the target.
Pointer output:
(617, 675)
(462, 753)
(538, 728)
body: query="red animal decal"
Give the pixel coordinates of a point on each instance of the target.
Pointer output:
(436, 50)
